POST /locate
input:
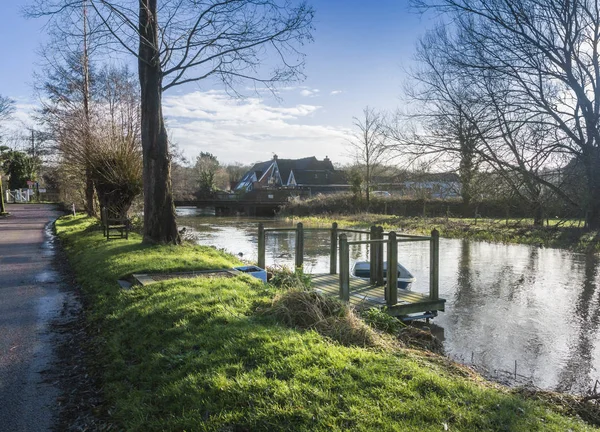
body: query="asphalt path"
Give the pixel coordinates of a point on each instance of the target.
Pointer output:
(31, 296)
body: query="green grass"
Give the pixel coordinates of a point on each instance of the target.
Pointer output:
(566, 235)
(194, 355)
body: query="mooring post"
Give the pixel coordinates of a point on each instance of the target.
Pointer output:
(344, 268)
(261, 245)
(373, 256)
(299, 246)
(380, 257)
(333, 250)
(434, 265)
(392, 270)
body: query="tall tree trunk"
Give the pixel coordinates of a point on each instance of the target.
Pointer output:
(160, 225)
(593, 179)
(90, 202)
(538, 214)
(2, 209)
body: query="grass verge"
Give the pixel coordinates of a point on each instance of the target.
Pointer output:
(522, 231)
(196, 355)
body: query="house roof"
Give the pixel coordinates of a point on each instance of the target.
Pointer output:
(255, 172)
(304, 171)
(308, 163)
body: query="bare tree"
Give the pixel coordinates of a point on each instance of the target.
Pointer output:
(7, 107)
(191, 41)
(369, 146)
(546, 57)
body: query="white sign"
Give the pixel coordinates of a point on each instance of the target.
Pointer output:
(42, 190)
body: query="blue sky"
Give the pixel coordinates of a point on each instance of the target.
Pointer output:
(358, 58)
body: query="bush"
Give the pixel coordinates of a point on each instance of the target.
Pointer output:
(328, 316)
(283, 277)
(378, 319)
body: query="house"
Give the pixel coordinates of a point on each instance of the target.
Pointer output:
(307, 173)
(433, 185)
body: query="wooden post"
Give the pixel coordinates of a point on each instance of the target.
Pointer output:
(380, 257)
(333, 250)
(373, 256)
(261, 245)
(434, 265)
(392, 270)
(299, 246)
(344, 268)
(103, 219)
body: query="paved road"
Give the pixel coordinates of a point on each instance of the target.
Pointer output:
(30, 297)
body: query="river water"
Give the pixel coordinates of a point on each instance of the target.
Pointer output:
(507, 305)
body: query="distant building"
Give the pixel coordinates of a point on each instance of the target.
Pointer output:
(423, 185)
(434, 185)
(305, 174)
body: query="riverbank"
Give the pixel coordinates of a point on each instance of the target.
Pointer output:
(219, 354)
(567, 235)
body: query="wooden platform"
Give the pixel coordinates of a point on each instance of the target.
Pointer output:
(363, 295)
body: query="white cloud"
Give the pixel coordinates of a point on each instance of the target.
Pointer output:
(249, 130)
(14, 131)
(308, 92)
(334, 92)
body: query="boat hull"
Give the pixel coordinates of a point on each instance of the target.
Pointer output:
(362, 270)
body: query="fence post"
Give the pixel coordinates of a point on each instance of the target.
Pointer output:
(103, 220)
(373, 256)
(333, 250)
(261, 245)
(434, 265)
(380, 256)
(299, 246)
(344, 268)
(392, 270)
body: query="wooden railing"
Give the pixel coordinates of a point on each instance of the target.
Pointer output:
(377, 240)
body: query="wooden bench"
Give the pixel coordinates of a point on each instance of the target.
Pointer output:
(113, 228)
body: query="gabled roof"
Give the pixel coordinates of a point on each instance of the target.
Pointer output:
(307, 170)
(308, 163)
(254, 174)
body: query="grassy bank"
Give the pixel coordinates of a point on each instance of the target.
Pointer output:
(202, 354)
(565, 235)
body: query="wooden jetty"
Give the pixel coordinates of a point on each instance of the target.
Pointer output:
(377, 292)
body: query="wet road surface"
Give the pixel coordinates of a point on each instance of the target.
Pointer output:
(30, 298)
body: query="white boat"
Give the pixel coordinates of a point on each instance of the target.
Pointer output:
(362, 270)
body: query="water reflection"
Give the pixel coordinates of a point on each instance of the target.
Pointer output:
(581, 347)
(505, 303)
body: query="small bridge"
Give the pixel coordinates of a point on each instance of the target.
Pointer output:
(263, 202)
(379, 291)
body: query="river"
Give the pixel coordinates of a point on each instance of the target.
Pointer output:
(507, 305)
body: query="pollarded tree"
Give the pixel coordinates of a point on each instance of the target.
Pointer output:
(190, 41)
